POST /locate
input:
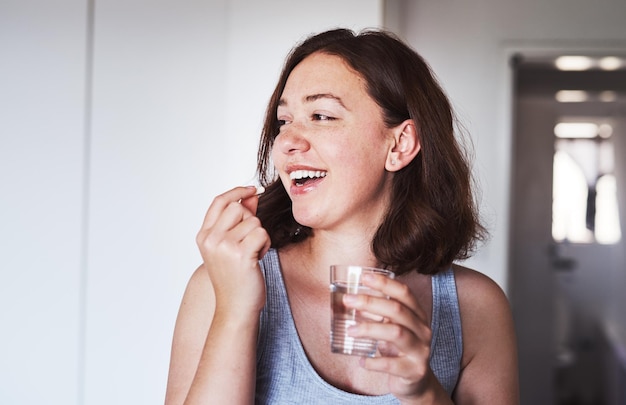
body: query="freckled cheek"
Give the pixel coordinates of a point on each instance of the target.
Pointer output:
(363, 150)
(352, 160)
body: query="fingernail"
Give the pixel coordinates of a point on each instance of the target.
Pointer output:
(260, 190)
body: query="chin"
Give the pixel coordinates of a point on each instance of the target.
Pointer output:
(308, 218)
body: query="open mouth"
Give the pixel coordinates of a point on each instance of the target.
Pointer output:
(302, 177)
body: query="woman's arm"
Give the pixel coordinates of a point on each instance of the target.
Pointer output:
(214, 347)
(192, 326)
(489, 373)
(213, 359)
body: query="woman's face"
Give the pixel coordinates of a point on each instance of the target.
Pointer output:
(332, 147)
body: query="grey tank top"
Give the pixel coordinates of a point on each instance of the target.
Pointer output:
(285, 375)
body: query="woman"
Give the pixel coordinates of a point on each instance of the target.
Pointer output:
(361, 166)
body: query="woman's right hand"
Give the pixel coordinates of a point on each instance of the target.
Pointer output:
(231, 243)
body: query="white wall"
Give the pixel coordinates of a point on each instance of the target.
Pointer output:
(42, 108)
(107, 168)
(158, 81)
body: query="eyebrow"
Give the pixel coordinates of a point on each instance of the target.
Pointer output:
(314, 97)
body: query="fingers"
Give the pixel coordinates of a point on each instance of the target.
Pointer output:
(231, 216)
(251, 236)
(401, 307)
(406, 333)
(231, 226)
(257, 241)
(219, 204)
(251, 203)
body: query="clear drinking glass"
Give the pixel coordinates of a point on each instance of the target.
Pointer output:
(346, 279)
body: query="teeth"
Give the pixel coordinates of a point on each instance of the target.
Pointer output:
(301, 174)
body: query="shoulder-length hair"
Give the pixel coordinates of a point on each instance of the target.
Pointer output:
(432, 219)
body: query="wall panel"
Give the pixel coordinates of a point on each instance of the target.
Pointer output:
(42, 116)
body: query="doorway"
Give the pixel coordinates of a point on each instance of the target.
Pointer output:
(566, 240)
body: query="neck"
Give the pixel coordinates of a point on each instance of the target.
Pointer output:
(323, 249)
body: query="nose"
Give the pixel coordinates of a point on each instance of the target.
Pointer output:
(292, 139)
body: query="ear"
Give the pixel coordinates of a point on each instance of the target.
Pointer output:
(405, 146)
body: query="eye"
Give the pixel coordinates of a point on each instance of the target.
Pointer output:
(282, 122)
(322, 117)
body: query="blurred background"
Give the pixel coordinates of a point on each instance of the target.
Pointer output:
(120, 120)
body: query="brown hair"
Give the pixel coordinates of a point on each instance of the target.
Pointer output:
(432, 219)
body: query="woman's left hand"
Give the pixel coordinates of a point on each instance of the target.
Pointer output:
(404, 340)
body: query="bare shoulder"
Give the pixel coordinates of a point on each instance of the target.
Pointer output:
(483, 306)
(489, 363)
(478, 292)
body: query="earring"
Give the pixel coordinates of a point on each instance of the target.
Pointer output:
(393, 161)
